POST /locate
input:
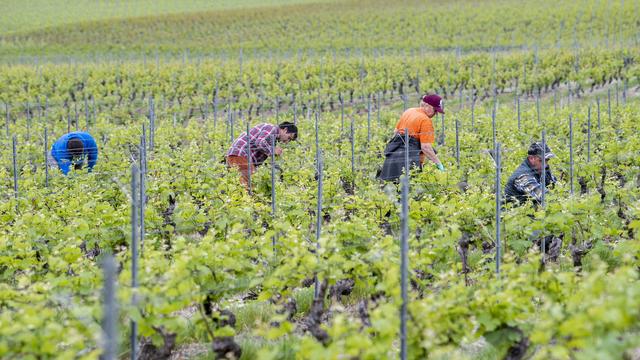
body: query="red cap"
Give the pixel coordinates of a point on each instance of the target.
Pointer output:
(435, 101)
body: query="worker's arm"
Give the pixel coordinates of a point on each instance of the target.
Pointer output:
(427, 149)
(530, 186)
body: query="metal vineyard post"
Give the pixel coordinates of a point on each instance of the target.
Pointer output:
(598, 106)
(353, 150)
(95, 116)
(544, 187)
(86, 112)
(273, 187)
(7, 118)
(457, 143)
(76, 116)
(518, 109)
(319, 208)
(152, 122)
(295, 109)
(249, 160)
(46, 158)
(341, 112)
(493, 121)
(609, 104)
(543, 175)
(29, 121)
(15, 168)
(110, 313)
(589, 134)
(404, 263)
(378, 107)
(142, 186)
(538, 107)
(442, 134)
(134, 255)
(406, 152)
(498, 207)
(571, 153)
(368, 119)
(473, 109)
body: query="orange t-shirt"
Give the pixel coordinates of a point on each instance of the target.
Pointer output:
(419, 124)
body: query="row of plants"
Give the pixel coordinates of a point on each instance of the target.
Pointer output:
(208, 243)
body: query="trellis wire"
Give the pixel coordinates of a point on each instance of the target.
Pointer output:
(110, 314)
(404, 262)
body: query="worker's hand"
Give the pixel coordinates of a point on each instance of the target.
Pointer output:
(440, 166)
(278, 150)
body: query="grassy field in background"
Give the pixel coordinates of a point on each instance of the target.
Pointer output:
(129, 27)
(20, 15)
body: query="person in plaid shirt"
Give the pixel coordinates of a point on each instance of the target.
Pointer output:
(260, 142)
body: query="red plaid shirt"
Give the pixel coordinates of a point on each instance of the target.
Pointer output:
(261, 137)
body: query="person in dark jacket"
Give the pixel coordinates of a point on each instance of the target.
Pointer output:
(421, 137)
(71, 150)
(525, 184)
(526, 181)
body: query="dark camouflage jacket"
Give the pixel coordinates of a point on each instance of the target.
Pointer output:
(525, 183)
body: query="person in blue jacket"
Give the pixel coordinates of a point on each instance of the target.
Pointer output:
(71, 150)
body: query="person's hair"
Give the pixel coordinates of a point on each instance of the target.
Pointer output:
(75, 147)
(290, 127)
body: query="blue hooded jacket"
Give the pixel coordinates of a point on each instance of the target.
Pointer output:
(60, 153)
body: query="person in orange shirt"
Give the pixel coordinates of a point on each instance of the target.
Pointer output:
(421, 137)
